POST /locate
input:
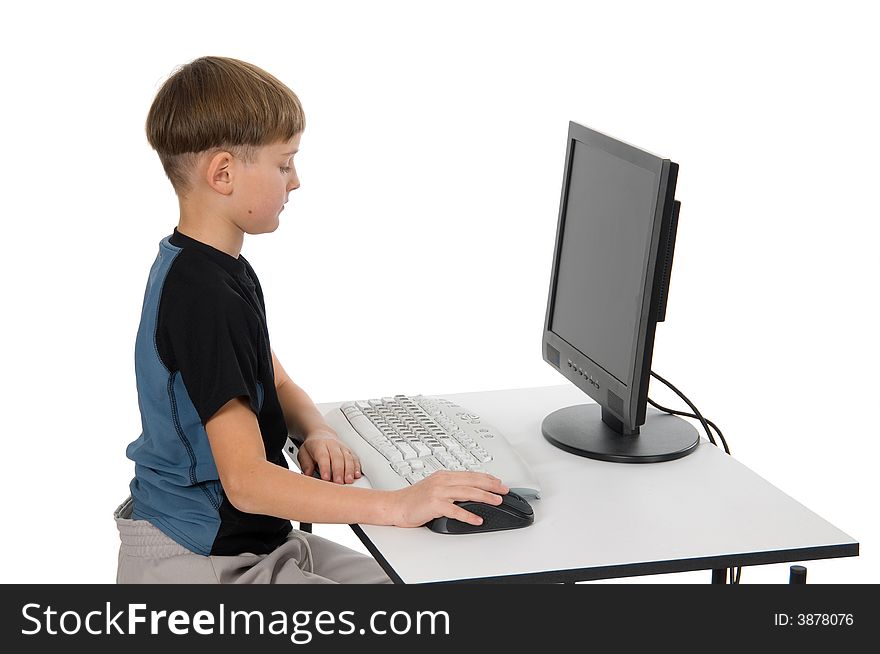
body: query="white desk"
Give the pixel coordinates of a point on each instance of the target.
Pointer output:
(597, 520)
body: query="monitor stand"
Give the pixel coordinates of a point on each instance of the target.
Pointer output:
(582, 429)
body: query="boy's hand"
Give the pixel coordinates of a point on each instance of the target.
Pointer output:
(322, 450)
(434, 496)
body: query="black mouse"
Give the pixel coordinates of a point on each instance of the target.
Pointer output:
(513, 512)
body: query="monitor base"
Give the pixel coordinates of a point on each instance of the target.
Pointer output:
(580, 430)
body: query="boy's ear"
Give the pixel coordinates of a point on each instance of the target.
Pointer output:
(219, 174)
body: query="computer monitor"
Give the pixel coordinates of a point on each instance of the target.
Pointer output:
(614, 243)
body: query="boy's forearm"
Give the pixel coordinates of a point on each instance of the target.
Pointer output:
(300, 413)
(273, 490)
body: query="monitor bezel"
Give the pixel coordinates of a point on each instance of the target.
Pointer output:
(593, 379)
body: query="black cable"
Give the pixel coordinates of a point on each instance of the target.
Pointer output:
(691, 415)
(682, 413)
(696, 411)
(733, 574)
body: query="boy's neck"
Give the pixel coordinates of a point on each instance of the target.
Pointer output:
(216, 232)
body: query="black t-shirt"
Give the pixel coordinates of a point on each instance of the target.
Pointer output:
(211, 335)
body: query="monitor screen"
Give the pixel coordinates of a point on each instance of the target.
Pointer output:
(614, 244)
(604, 253)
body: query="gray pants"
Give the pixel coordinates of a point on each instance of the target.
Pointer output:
(146, 555)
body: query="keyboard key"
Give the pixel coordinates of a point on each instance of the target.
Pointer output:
(450, 444)
(391, 453)
(482, 456)
(364, 426)
(432, 464)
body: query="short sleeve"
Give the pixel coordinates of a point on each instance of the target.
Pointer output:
(212, 338)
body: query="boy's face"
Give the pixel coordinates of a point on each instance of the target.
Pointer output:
(263, 185)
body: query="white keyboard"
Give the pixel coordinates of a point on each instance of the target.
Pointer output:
(403, 439)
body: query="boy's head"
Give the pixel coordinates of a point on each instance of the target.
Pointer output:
(218, 104)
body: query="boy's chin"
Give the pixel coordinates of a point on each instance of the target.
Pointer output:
(267, 228)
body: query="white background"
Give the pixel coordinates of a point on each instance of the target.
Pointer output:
(415, 258)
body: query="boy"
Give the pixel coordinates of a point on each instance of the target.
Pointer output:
(212, 497)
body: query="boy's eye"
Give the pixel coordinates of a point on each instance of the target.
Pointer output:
(285, 169)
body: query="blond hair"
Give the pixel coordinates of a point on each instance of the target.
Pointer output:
(218, 103)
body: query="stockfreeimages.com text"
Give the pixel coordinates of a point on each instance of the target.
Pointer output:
(300, 626)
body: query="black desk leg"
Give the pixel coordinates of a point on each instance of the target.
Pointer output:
(719, 576)
(305, 526)
(797, 574)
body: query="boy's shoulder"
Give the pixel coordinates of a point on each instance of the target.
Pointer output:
(203, 282)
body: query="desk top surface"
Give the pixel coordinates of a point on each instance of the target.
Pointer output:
(597, 519)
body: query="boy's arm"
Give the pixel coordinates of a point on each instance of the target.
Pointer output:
(319, 447)
(254, 485)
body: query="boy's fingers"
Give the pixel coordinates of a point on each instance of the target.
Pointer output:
(336, 460)
(481, 480)
(459, 513)
(492, 483)
(351, 465)
(344, 465)
(306, 464)
(467, 493)
(323, 461)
